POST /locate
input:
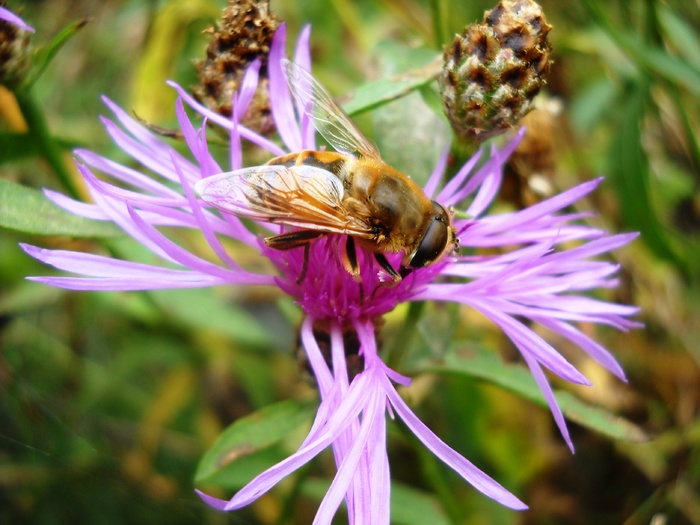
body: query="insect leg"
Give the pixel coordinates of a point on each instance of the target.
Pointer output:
(295, 239)
(290, 240)
(388, 268)
(405, 272)
(349, 259)
(305, 264)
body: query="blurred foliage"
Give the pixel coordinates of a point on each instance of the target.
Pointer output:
(108, 401)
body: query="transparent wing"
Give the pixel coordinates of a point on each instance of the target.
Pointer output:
(327, 116)
(303, 196)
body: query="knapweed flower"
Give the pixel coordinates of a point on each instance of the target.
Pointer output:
(537, 278)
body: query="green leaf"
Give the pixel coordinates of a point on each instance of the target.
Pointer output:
(483, 364)
(414, 507)
(591, 104)
(253, 434)
(379, 92)
(205, 309)
(409, 506)
(653, 60)
(25, 297)
(28, 210)
(19, 146)
(409, 134)
(681, 34)
(45, 56)
(629, 172)
(659, 62)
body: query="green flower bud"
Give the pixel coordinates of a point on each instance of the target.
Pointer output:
(493, 70)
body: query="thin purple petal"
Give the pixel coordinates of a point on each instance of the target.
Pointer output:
(436, 176)
(80, 208)
(225, 123)
(302, 57)
(281, 102)
(249, 86)
(464, 182)
(340, 419)
(546, 390)
(185, 258)
(528, 342)
(318, 364)
(551, 205)
(219, 504)
(596, 351)
(348, 467)
(9, 16)
(478, 479)
(126, 174)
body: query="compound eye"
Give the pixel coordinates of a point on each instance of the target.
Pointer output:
(435, 240)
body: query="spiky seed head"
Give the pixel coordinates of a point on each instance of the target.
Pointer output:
(493, 70)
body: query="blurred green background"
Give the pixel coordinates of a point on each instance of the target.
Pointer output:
(109, 400)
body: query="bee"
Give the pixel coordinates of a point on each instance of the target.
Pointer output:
(322, 192)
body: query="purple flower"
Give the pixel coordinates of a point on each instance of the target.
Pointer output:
(537, 277)
(10, 17)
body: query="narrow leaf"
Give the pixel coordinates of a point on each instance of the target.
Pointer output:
(414, 507)
(409, 506)
(28, 210)
(206, 310)
(681, 34)
(480, 363)
(651, 58)
(629, 172)
(410, 135)
(252, 434)
(45, 56)
(19, 146)
(374, 94)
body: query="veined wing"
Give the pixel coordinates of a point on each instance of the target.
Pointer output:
(327, 116)
(302, 196)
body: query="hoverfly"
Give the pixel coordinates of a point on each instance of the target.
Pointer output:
(322, 192)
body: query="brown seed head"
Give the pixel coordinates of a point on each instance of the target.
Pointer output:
(15, 51)
(243, 33)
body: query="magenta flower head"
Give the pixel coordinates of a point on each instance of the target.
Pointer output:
(537, 279)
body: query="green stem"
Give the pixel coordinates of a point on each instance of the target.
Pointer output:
(439, 9)
(49, 148)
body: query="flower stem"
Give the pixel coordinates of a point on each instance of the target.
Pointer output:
(439, 9)
(38, 130)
